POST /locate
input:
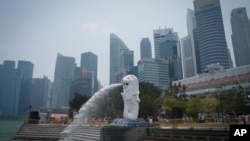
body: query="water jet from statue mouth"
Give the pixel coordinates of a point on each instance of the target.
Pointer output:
(86, 110)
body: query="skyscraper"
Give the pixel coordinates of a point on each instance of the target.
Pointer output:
(89, 61)
(145, 48)
(127, 62)
(116, 45)
(64, 74)
(158, 35)
(40, 93)
(82, 83)
(169, 48)
(154, 71)
(10, 82)
(210, 34)
(27, 69)
(240, 36)
(188, 48)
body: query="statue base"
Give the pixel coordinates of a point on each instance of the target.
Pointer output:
(129, 123)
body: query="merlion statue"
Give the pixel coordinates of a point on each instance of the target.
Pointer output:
(130, 97)
(131, 101)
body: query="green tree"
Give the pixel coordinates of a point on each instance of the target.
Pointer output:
(232, 100)
(176, 91)
(150, 99)
(194, 106)
(210, 105)
(77, 102)
(170, 102)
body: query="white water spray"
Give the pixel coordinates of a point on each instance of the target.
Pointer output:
(85, 110)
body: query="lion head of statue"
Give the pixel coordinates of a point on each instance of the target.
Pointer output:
(130, 86)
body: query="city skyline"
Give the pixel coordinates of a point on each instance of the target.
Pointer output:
(36, 31)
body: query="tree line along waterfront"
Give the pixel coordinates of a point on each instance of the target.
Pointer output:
(220, 106)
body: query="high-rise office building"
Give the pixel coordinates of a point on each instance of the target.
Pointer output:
(89, 62)
(10, 83)
(240, 36)
(82, 83)
(24, 98)
(64, 74)
(154, 71)
(145, 48)
(210, 34)
(40, 96)
(188, 55)
(48, 86)
(169, 48)
(27, 69)
(116, 45)
(158, 35)
(127, 62)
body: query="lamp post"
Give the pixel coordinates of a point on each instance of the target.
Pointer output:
(221, 103)
(222, 113)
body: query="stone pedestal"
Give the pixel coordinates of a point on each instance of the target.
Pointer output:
(129, 123)
(122, 133)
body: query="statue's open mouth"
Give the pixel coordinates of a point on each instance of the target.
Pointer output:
(124, 83)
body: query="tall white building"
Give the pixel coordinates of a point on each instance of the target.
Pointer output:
(189, 64)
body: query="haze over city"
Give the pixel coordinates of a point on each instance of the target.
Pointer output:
(37, 30)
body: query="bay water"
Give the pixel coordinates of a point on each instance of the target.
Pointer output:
(9, 127)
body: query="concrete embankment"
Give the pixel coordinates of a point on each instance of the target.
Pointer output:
(49, 132)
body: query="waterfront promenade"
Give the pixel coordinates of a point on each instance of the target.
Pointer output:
(54, 129)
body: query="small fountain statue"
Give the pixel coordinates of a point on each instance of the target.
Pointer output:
(131, 101)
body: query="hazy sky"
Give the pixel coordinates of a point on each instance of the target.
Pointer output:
(36, 30)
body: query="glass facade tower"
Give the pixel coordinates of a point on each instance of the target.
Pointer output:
(158, 35)
(210, 34)
(10, 82)
(116, 45)
(26, 68)
(145, 48)
(170, 51)
(89, 61)
(127, 62)
(154, 71)
(240, 36)
(64, 74)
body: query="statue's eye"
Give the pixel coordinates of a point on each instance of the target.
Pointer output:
(126, 84)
